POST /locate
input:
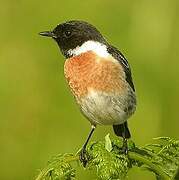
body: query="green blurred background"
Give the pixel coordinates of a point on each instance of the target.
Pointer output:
(38, 115)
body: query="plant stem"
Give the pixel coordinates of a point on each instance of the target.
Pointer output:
(154, 167)
(50, 167)
(132, 155)
(71, 159)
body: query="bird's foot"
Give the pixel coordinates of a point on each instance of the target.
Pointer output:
(125, 149)
(84, 157)
(125, 146)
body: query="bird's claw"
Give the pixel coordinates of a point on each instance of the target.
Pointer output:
(83, 157)
(125, 147)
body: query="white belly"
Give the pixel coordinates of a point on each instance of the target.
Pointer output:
(105, 109)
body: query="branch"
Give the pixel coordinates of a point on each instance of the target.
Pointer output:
(157, 169)
(161, 158)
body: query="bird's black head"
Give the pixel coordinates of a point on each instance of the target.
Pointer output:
(72, 34)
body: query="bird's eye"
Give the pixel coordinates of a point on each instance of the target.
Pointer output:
(68, 33)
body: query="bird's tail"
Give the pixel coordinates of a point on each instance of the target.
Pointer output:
(122, 130)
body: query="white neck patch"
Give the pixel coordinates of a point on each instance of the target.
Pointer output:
(98, 48)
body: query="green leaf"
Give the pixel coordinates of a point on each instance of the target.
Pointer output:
(108, 144)
(160, 157)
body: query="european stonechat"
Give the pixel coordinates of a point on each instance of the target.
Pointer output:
(99, 77)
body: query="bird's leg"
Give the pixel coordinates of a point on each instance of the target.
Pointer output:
(83, 155)
(125, 146)
(122, 130)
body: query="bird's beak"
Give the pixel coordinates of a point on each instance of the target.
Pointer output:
(48, 34)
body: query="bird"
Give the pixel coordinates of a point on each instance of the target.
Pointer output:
(99, 77)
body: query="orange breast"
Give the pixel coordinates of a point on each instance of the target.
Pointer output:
(88, 70)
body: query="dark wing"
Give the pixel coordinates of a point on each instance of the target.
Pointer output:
(122, 130)
(123, 61)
